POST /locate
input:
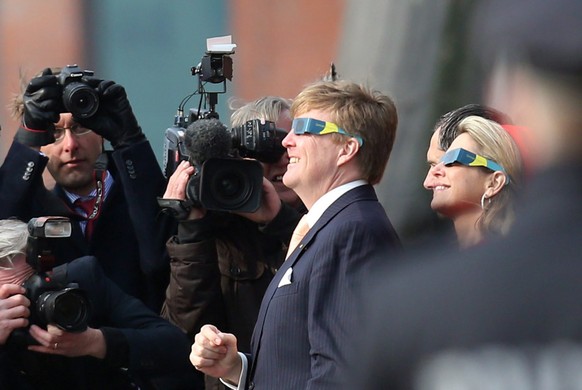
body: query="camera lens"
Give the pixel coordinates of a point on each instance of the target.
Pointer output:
(67, 308)
(231, 185)
(80, 100)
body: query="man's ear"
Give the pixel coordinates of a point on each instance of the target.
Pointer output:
(495, 183)
(349, 151)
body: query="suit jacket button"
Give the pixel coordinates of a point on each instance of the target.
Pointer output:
(235, 271)
(251, 385)
(30, 164)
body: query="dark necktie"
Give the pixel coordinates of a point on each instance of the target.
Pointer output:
(88, 206)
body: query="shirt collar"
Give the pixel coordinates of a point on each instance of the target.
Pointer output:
(107, 185)
(327, 199)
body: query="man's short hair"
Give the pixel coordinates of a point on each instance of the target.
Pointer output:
(358, 110)
(448, 124)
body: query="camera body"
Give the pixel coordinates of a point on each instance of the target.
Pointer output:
(233, 183)
(175, 150)
(78, 97)
(52, 299)
(260, 140)
(215, 67)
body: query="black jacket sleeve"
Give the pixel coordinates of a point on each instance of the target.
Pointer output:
(22, 190)
(136, 337)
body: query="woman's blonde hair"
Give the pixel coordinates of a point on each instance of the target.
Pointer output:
(497, 145)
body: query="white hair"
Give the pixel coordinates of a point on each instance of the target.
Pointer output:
(13, 237)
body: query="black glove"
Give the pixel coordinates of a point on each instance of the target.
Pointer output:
(42, 107)
(114, 120)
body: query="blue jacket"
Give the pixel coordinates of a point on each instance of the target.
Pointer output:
(300, 340)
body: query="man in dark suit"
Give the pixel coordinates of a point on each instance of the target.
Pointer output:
(507, 315)
(121, 227)
(120, 344)
(341, 138)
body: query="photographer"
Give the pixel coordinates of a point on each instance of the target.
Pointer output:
(221, 263)
(66, 114)
(124, 345)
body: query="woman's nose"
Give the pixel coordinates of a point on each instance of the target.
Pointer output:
(434, 172)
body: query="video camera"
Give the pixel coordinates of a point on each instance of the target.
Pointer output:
(53, 300)
(224, 181)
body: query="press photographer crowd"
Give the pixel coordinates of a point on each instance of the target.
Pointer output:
(258, 256)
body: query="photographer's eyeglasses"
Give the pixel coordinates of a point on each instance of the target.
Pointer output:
(315, 126)
(470, 159)
(76, 129)
(6, 262)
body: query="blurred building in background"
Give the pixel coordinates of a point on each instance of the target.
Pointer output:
(412, 50)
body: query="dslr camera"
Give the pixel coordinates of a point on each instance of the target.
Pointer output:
(78, 97)
(52, 299)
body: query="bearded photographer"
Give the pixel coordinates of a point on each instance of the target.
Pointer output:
(124, 345)
(222, 263)
(66, 114)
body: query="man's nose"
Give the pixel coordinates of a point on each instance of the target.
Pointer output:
(289, 139)
(70, 140)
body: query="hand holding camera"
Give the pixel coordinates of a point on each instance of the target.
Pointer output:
(175, 200)
(42, 105)
(114, 119)
(99, 105)
(14, 310)
(56, 341)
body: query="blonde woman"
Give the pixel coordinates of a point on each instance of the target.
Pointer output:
(476, 181)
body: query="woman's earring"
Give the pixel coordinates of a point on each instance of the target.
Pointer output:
(483, 201)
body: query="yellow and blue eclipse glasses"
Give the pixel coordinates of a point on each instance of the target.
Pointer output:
(470, 159)
(315, 126)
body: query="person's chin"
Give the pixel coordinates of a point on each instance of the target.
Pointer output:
(287, 180)
(436, 206)
(74, 180)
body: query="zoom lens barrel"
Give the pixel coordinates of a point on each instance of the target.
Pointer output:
(80, 100)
